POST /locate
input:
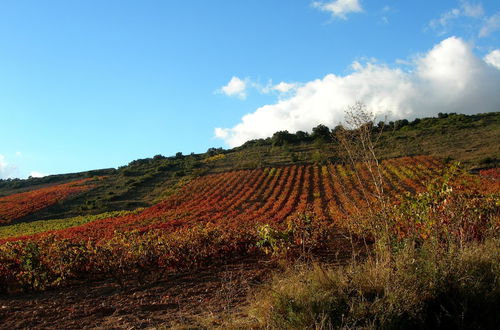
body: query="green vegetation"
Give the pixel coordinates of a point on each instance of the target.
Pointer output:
(30, 228)
(470, 139)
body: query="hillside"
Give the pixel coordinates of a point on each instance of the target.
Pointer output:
(187, 240)
(470, 139)
(246, 197)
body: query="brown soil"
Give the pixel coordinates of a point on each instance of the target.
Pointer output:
(179, 299)
(183, 300)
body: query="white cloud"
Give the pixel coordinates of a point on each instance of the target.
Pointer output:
(238, 87)
(472, 10)
(466, 9)
(284, 87)
(442, 22)
(448, 78)
(19, 154)
(6, 170)
(490, 25)
(493, 58)
(235, 87)
(385, 12)
(475, 11)
(36, 174)
(222, 133)
(339, 8)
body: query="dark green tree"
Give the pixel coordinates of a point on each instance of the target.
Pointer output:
(321, 132)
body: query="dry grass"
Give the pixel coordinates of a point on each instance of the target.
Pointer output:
(413, 290)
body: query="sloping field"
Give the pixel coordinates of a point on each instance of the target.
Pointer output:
(17, 206)
(232, 214)
(268, 195)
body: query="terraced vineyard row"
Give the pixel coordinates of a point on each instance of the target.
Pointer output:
(16, 206)
(268, 195)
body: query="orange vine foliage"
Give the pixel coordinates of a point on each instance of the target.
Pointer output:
(16, 206)
(265, 196)
(234, 213)
(493, 173)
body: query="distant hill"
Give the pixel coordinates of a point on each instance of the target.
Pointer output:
(470, 139)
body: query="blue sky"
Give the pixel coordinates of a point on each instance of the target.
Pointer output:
(94, 84)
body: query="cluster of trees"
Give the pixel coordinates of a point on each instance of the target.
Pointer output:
(325, 134)
(280, 138)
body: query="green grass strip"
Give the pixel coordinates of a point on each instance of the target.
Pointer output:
(40, 226)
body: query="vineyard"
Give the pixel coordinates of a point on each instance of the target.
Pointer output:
(279, 211)
(17, 206)
(40, 226)
(268, 195)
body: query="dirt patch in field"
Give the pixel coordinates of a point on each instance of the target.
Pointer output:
(178, 299)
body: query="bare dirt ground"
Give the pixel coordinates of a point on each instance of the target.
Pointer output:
(178, 299)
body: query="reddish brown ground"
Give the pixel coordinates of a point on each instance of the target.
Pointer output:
(178, 299)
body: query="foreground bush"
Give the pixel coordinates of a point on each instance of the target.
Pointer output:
(413, 290)
(52, 261)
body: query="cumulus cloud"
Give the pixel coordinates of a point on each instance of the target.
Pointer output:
(493, 58)
(282, 87)
(222, 133)
(6, 170)
(448, 78)
(235, 87)
(339, 8)
(490, 25)
(239, 87)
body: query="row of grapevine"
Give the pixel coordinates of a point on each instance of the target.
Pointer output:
(268, 196)
(41, 226)
(19, 205)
